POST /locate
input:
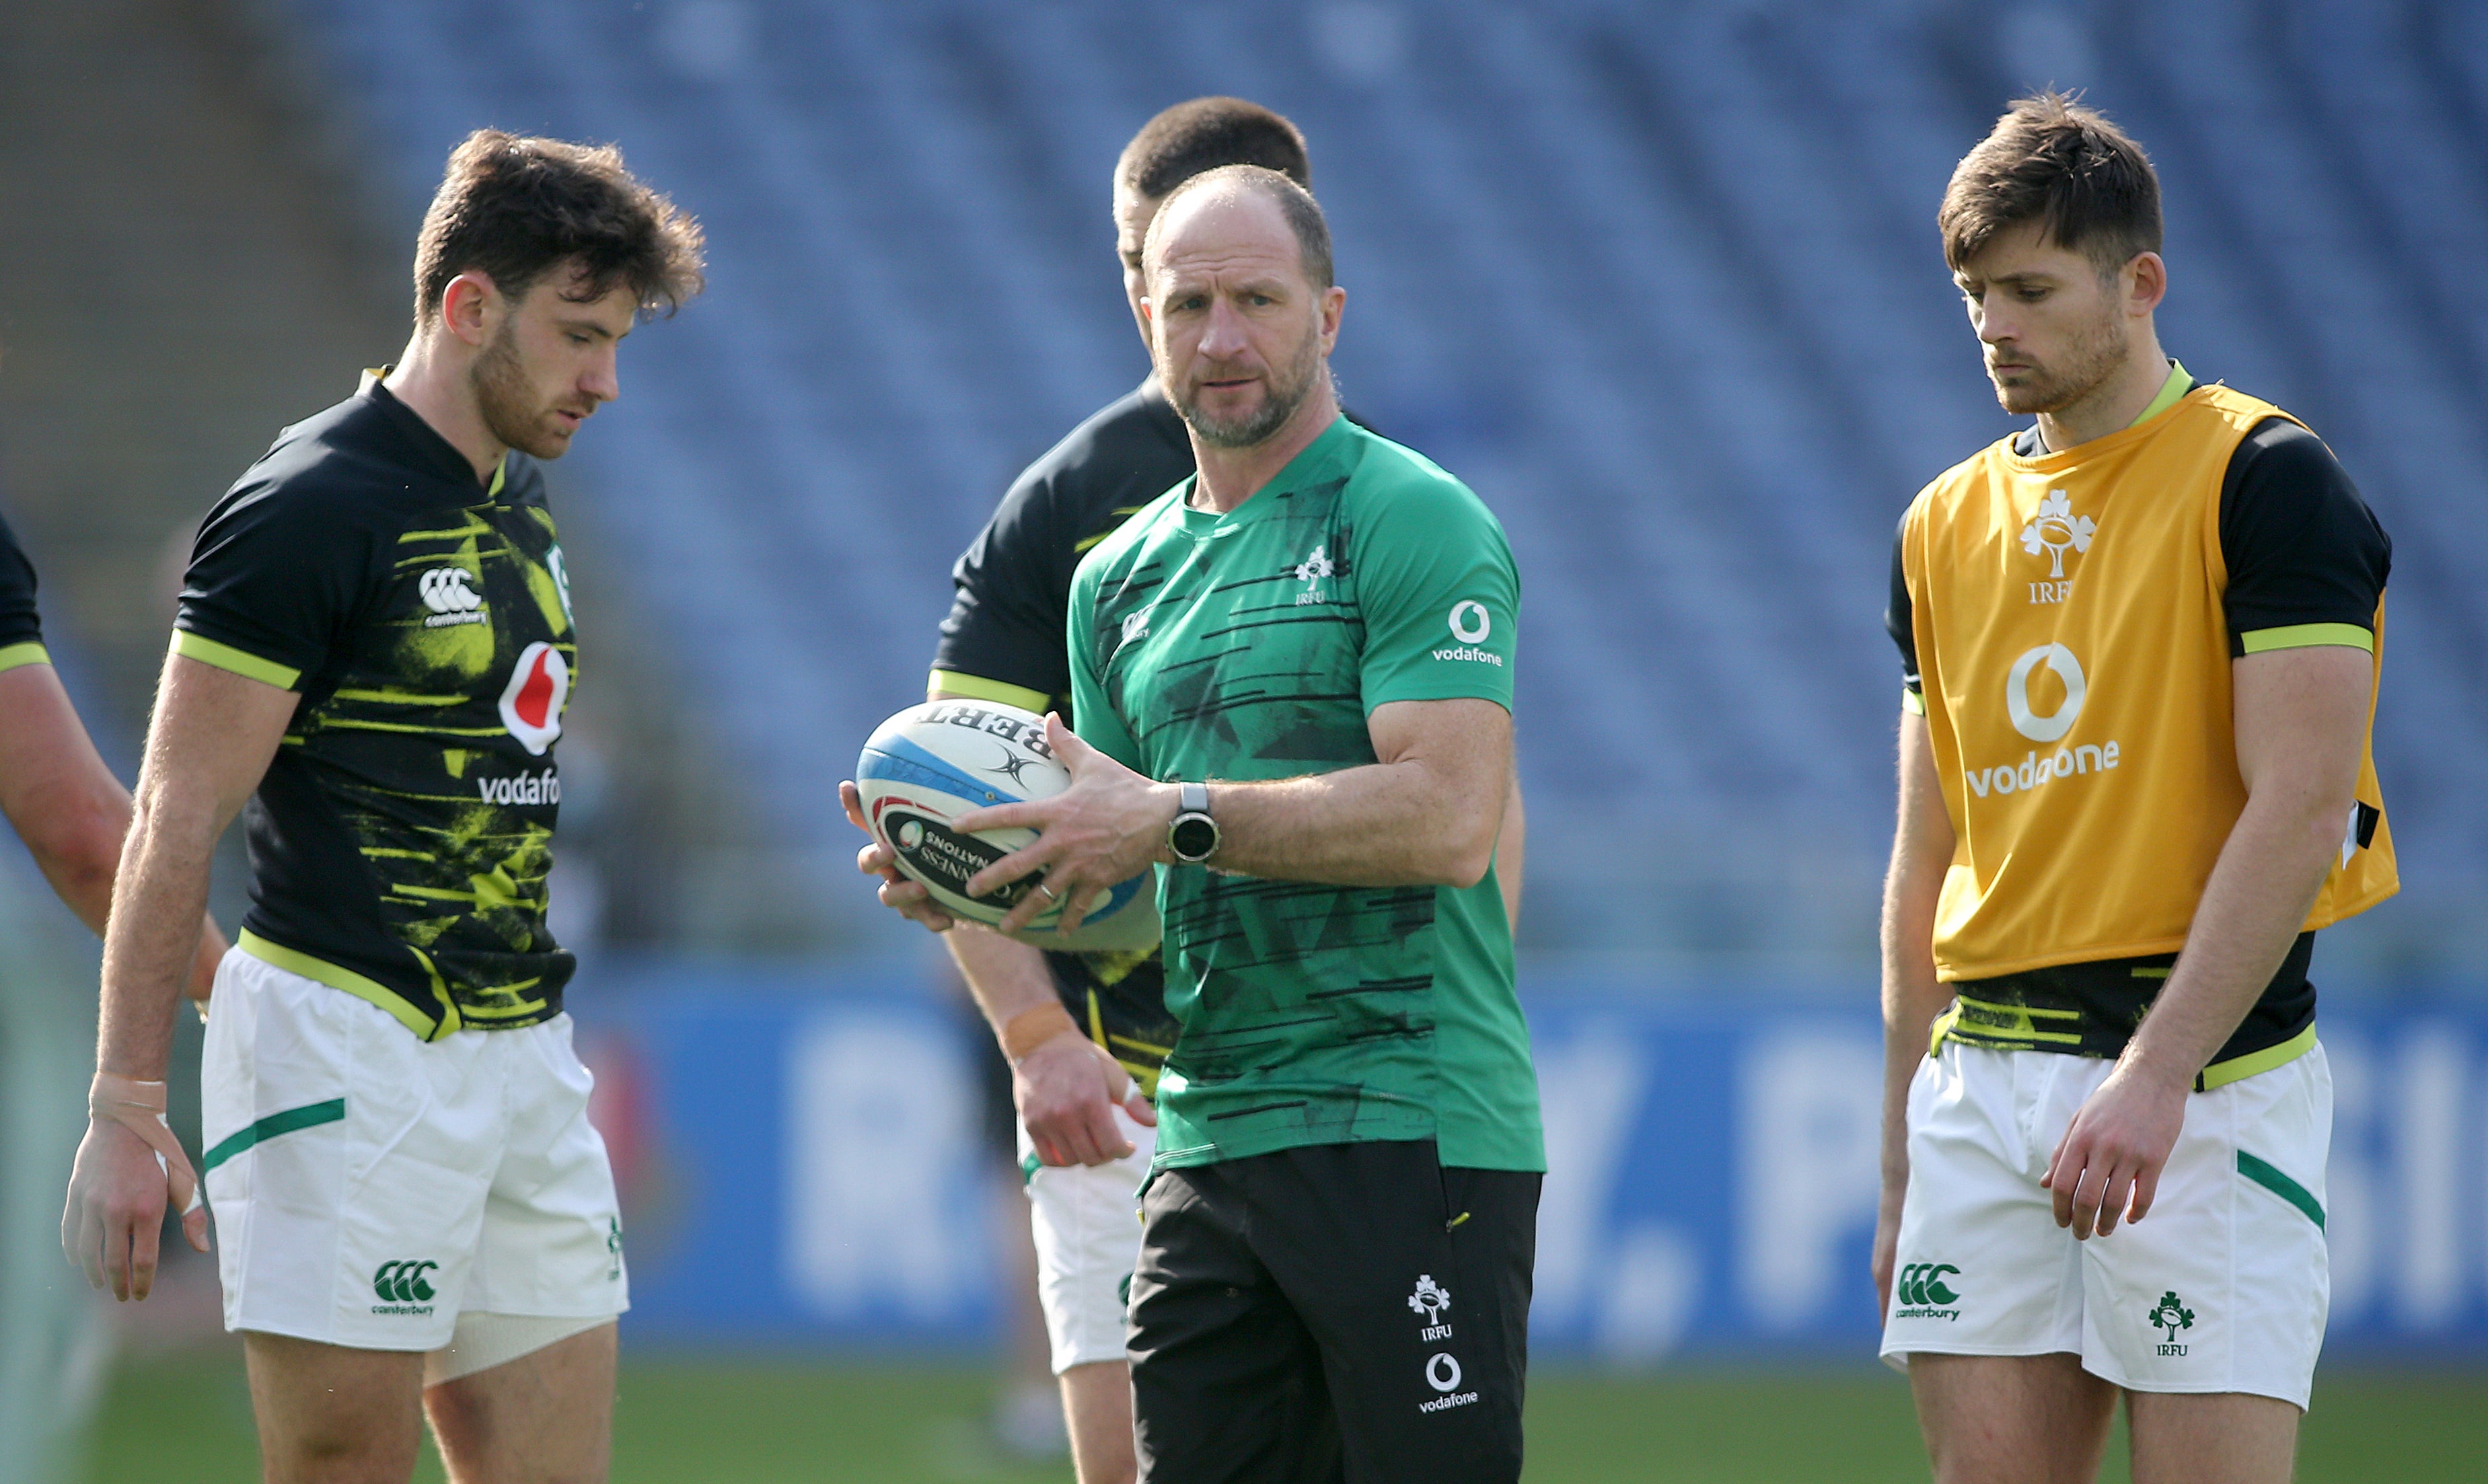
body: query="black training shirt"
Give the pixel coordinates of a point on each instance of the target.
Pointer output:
(401, 838)
(1005, 641)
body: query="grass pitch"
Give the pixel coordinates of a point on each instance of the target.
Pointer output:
(759, 1421)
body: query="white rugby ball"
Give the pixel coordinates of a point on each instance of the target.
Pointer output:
(930, 764)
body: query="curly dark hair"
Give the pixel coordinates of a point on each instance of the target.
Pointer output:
(513, 208)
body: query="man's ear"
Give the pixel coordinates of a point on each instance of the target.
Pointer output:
(471, 307)
(2149, 283)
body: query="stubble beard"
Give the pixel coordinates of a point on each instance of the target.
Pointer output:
(1280, 399)
(2088, 362)
(510, 410)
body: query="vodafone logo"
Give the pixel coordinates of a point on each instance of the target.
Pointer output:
(2016, 694)
(1470, 622)
(531, 704)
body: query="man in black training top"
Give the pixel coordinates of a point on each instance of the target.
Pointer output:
(1081, 1030)
(374, 648)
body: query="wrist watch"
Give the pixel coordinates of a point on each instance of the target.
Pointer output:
(1192, 837)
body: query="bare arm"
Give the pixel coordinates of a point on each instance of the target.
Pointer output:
(212, 736)
(1922, 851)
(2300, 717)
(1510, 854)
(69, 809)
(1425, 812)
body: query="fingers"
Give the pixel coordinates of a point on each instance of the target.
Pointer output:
(88, 1252)
(194, 1227)
(2146, 1189)
(853, 800)
(1033, 857)
(1035, 814)
(875, 859)
(910, 900)
(1066, 745)
(143, 1243)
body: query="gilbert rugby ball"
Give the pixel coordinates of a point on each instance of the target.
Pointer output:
(930, 764)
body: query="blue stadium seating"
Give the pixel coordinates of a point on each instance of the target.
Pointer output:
(1660, 280)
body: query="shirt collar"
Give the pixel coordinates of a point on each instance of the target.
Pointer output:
(426, 438)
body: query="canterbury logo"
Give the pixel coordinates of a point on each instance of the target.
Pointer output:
(402, 1283)
(1922, 1284)
(445, 590)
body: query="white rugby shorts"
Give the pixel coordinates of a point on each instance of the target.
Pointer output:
(369, 1187)
(2222, 1287)
(1087, 1223)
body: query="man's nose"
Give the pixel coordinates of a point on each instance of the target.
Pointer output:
(1223, 336)
(604, 379)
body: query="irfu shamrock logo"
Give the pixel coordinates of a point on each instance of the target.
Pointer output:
(2054, 530)
(2171, 1315)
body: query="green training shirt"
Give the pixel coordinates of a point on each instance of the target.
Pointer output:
(1252, 645)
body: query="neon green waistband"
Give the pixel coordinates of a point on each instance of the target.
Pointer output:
(322, 972)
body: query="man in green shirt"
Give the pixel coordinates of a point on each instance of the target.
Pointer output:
(1340, 1224)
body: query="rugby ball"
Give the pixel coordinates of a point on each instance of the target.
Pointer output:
(930, 764)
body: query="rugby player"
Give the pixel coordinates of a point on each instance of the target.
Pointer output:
(65, 804)
(2140, 641)
(374, 648)
(1061, 1018)
(1315, 634)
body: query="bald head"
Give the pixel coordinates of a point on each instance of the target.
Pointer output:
(1241, 202)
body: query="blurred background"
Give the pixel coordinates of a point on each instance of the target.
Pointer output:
(1658, 280)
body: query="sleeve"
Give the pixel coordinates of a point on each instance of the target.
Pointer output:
(1439, 593)
(21, 629)
(1901, 622)
(1003, 640)
(1093, 714)
(2308, 560)
(274, 581)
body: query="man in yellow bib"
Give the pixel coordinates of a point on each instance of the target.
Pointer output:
(2140, 641)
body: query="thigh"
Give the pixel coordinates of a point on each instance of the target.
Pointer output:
(1227, 1385)
(2224, 1286)
(1982, 1267)
(2010, 1419)
(1087, 1241)
(548, 1415)
(328, 1415)
(550, 1242)
(346, 1164)
(1414, 1280)
(2228, 1438)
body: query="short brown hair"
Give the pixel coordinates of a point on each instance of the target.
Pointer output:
(1205, 133)
(2053, 162)
(1304, 214)
(513, 208)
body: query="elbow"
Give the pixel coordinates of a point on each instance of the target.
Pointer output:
(1464, 862)
(79, 848)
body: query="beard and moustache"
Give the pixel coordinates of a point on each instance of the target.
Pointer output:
(510, 408)
(1282, 393)
(2092, 356)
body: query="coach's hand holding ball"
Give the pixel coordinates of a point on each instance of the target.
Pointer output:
(1107, 827)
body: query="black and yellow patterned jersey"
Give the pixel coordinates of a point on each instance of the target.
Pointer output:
(400, 840)
(21, 631)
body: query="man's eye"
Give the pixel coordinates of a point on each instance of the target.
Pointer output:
(577, 339)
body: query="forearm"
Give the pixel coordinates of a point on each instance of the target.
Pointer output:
(2252, 912)
(152, 943)
(1912, 998)
(1382, 824)
(1006, 977)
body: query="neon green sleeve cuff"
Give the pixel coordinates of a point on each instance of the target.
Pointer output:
(12, 656)
(2308, 637)
(976, 687)
(241, 663)
(1912, 702)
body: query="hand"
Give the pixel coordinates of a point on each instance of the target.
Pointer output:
(1108, 826)
(116, 1209)
(1067, 1089)
(1887, 1242)
(901, 895)
(2107, 1165)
